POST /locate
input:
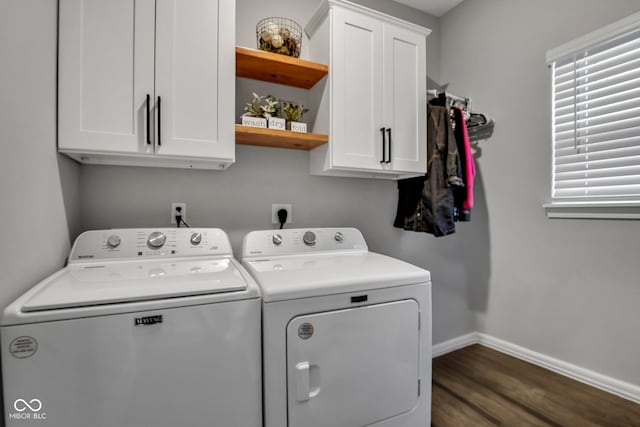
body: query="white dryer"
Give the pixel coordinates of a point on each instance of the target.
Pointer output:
(142, 328)
(346, 332)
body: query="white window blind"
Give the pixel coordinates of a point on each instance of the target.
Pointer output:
(596, 121)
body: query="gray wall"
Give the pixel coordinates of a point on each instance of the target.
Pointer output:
(38, 215)
(565, 288)
(239, 200)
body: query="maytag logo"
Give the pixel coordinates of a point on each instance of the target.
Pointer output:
(148, 320)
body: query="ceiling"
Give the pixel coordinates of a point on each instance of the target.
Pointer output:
(433, 7)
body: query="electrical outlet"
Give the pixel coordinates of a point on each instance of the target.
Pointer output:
(274, 213)
(174, 211)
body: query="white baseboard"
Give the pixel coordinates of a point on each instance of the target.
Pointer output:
(620, 388)
(454, 344)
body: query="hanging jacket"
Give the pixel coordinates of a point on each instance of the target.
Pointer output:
(463, 196)
(426, 203)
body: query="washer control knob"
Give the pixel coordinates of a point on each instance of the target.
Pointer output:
(156, 240)
(113, 241)
(196, 238)
(309, 238)
(277, 239)
(339, 237)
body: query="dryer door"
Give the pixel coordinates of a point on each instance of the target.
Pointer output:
(353, 367)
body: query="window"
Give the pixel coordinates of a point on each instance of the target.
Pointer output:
(595, 106)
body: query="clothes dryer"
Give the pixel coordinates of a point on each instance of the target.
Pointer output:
(143, 327)
(346, 332)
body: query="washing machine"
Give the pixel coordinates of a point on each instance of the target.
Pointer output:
(346, 331)
(143, 327)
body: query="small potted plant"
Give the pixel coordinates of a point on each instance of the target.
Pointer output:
(259, 110)
(273, 114)
(293, 113)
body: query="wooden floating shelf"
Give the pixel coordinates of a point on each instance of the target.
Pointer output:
(275, 68)
(262, 137)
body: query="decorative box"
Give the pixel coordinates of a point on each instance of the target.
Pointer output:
(256, 122)
(298, 127)
(277, 123)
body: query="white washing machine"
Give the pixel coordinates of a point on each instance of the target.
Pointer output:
(346, 332)
(142, 328)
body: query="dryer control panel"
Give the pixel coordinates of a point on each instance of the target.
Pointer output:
(302, 240)
(149, 243)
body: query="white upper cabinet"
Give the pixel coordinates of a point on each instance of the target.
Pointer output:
(404, 99)
(374, 104)
(147, 82)
(356, 79)
(106, 68)
(198, 97)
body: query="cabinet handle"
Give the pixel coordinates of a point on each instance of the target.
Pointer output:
(159, 122)
(389, 134)
(148, 119)
(384, 146)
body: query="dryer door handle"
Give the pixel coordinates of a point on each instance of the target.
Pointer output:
(307, 381)
(303, 388)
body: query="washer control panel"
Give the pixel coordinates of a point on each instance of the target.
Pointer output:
(149, 243)
(297, 241)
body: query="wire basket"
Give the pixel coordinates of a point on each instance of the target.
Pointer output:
(279, 35)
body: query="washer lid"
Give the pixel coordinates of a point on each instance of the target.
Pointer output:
(121, 282)
(302, 276)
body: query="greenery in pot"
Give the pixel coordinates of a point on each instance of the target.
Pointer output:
(262, 106)
(293, 112)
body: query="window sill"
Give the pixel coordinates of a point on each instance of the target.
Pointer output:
(593, 210)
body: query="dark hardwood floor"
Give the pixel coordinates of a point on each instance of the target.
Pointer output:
(477, 386)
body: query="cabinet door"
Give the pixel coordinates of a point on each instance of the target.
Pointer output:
(197, 101)
(106, 60)
(405, 98)
(356, 91)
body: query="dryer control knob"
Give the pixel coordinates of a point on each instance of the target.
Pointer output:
(309, 238)
(156, 240)
(339, 237)
(277, 239)
(196, 238)
(113, 241)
